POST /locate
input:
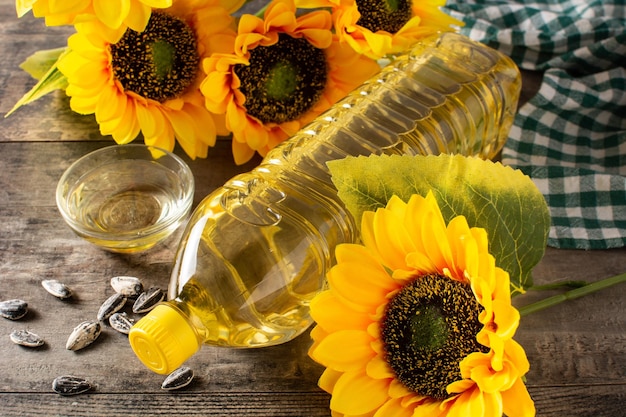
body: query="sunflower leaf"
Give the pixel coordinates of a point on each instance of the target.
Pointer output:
(497, 198)
(42, 65)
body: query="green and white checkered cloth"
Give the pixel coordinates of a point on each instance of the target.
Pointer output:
(571, 137)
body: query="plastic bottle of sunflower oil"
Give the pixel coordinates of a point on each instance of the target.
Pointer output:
(256, 250)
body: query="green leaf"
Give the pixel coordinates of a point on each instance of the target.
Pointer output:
(42, 65)
(39, 63)
(497, 198)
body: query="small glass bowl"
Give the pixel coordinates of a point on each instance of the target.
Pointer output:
(126, 198)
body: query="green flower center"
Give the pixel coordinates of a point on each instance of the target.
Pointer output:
(159, 63)
(387, 15)
(429, 327)
(283, 81)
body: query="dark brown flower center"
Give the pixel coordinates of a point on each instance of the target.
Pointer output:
(159, 63)
(429, 326)
(284, 80)
(387, 15)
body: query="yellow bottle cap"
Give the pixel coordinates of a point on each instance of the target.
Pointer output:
(163, 339)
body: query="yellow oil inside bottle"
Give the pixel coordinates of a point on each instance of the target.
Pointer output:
(244, 285)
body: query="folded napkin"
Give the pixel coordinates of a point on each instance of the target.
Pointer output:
(571, 137)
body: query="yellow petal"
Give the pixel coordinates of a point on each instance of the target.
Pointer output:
(517, 356)
(151, 120)
(460, 386)
(397, 389)
(124, 129)
(232, 5)
(358, 286)
(66, 6)
(434, 236)
(328, 379)
(164, 139)
(393, 407)
(157, 4)
(111, 12)
(355, 393)
(368, 236)
(506, 318)
(391, 238)
(468, 403)
(420, 263)
(333, 315)
(23, 6)
(430, 409)
(490, 381)
(517, 402)
(182, 124)
(378, 43)
(138, 16)
(80, 104)
(111, 105)
(203, 124)
(346, 350)
(242, 153)
(464, 249)
(349, 252)
(493, 404)
(378, 368)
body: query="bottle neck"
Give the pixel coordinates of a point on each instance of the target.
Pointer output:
(164, 339)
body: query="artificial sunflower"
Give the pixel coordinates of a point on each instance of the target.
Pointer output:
(418, 321)
(113, 14)
(148, 81)
(282, 71)
(380, 27)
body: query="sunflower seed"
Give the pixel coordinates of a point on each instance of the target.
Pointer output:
(26, 338)
(70, 385)
(112, 305)
(83, 335)
(57, 288)
(178, 379)
(148, 299)
(13, 309)
(121, 322)
(129, 286)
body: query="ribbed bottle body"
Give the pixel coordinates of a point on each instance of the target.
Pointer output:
(256, 250)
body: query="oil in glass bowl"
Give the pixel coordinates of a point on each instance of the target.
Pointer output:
(126, 198)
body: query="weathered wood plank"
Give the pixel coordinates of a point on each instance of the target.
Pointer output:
(273, 404)
(31, 170)
(570, 401)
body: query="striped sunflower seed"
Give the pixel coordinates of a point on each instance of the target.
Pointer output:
(112, 305)
(178, 379)
(121, 322)
(129, 286)
(148, 299)
(57, 288)
(83, 335)
(26, 338)
(13, 309)
(71, 385)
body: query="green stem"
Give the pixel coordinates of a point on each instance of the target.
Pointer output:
(559, 285)
(261, 11)
(573, 294)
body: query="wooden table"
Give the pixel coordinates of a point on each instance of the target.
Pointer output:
(577, 350)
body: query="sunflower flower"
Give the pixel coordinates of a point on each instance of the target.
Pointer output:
(380, 27)
(148, 82)
(281, 72)
(113, 14)
(418, 321)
